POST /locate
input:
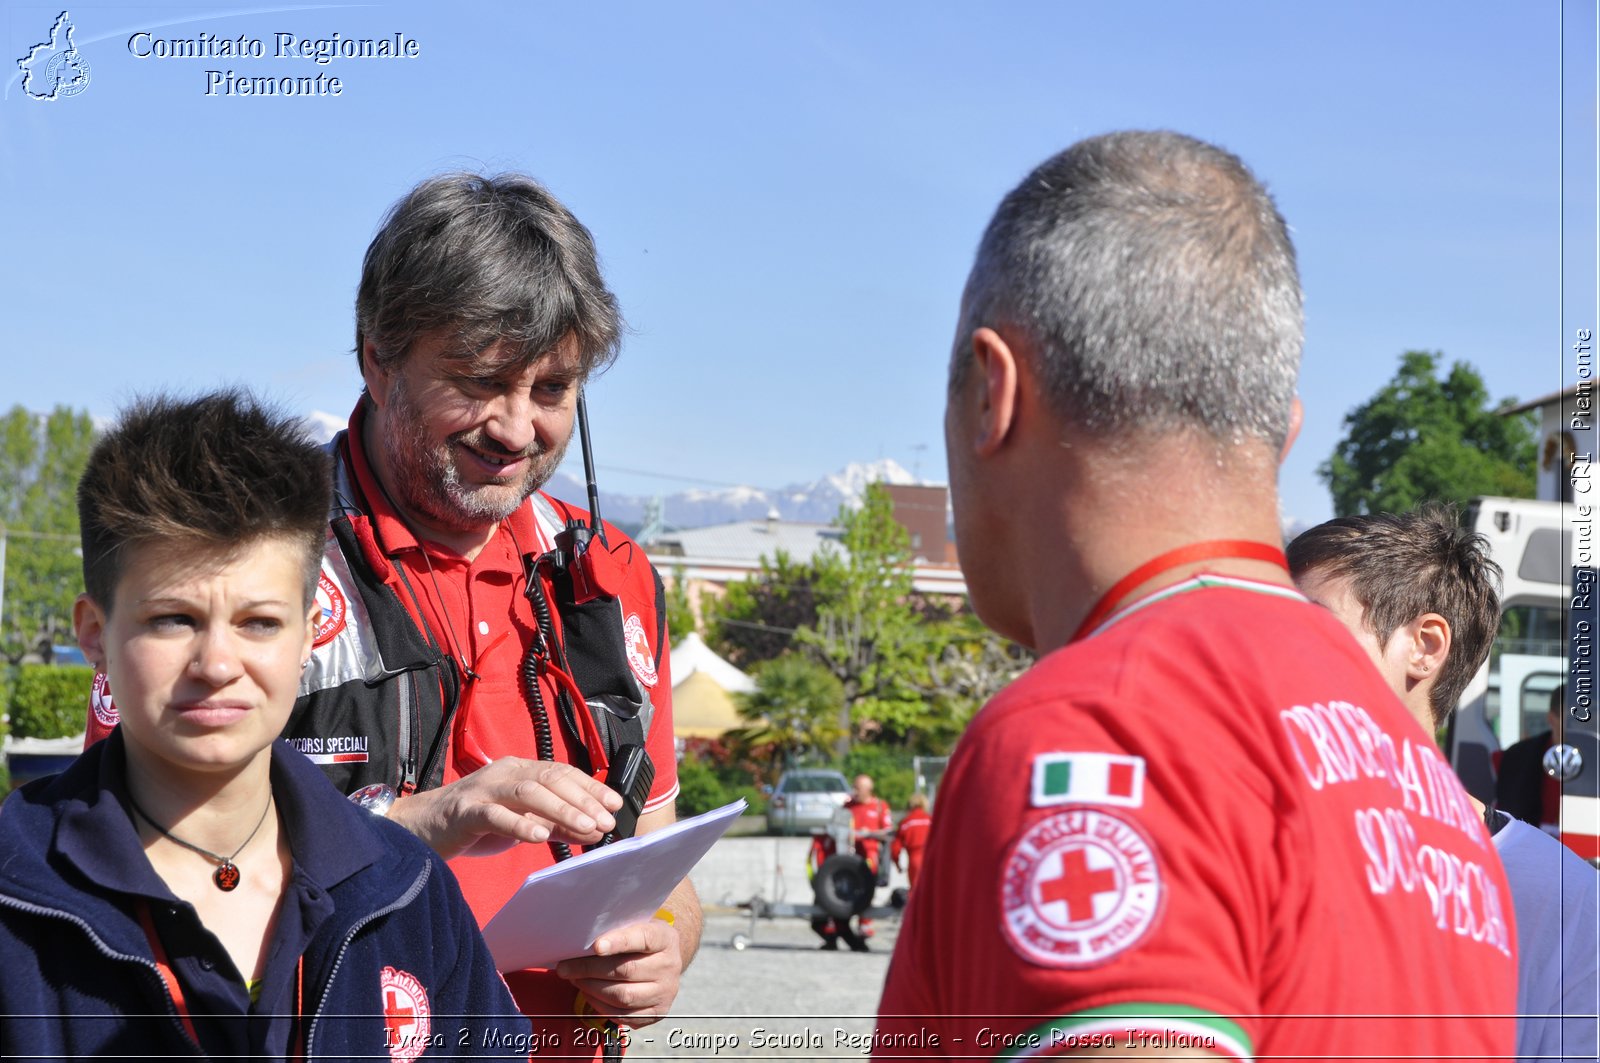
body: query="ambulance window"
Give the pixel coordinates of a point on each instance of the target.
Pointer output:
(1544, 560)
(1534, 630)
(1534, 699)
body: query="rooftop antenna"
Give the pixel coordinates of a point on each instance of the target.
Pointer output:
(916, 462)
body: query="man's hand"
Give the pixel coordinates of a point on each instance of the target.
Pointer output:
(509, 801)
(633, 975)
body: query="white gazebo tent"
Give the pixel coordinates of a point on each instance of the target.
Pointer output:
(703, 685)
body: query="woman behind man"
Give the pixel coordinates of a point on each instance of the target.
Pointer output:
(192, 883)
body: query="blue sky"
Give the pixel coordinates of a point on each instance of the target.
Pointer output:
(786, 195)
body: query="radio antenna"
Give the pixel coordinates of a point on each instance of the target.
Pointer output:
(588, 471)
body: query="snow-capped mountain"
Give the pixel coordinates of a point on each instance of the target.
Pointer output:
(817, 501)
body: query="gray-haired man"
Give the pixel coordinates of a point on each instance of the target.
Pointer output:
(1181, 833)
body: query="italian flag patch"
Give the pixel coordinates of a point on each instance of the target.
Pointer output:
(1088, 778)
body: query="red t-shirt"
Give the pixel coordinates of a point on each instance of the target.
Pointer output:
(1208, 825)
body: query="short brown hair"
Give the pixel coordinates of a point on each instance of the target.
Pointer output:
(218, 471)
(1402, 565)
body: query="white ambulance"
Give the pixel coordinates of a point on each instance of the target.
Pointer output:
(1547, 638)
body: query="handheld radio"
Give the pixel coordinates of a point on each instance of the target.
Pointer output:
(631, 775)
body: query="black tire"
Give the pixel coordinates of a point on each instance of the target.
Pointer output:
(843, 885)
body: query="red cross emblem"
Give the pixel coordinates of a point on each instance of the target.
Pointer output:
(407, 1019)
(638, 646)
(396, 1015)
(1078, 886)
(1092, 866)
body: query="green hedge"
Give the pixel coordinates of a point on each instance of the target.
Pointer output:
(892, 777)
(702, 787)
(48, 701)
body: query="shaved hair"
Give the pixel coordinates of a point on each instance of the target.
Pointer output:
(1157, 284)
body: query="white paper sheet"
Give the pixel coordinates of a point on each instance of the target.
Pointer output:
(560, 911)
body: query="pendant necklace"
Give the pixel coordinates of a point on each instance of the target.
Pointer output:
(226, 876)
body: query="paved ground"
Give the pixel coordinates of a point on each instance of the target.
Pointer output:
(780, 997)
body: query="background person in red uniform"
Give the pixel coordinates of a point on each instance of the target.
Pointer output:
(911, 837)
(829, 929)
(1200, 823)
(873, 822)
(872, 818)
(481, 312)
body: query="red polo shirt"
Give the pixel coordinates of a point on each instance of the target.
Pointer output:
(478, 613)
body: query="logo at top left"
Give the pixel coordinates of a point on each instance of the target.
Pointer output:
(55, 69)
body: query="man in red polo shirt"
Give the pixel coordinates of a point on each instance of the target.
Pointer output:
(873, 824)
(480, 314)
(1201, 824)
(871, 818)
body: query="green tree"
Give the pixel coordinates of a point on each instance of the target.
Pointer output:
(41, 459)
(680, 614)
(793, 710)
(1424, 438)
(755, 620)
(967, 664)
(867, 632)
(912, 669)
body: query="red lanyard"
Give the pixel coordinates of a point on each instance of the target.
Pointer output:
(297, 1039)
(1210, 550)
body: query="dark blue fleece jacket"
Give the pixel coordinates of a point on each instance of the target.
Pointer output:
(391, 953)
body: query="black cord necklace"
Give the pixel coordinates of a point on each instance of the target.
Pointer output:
(226, 876)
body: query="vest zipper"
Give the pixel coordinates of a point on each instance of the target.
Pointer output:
(449, 701)
(409, 726)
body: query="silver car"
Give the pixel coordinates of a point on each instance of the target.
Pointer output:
(804, 800)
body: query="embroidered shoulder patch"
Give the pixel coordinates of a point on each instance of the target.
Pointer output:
(407, 1019)
(331, 601)
(640, 659)
(1087, 778)
(1079, 887)
(105, 712)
